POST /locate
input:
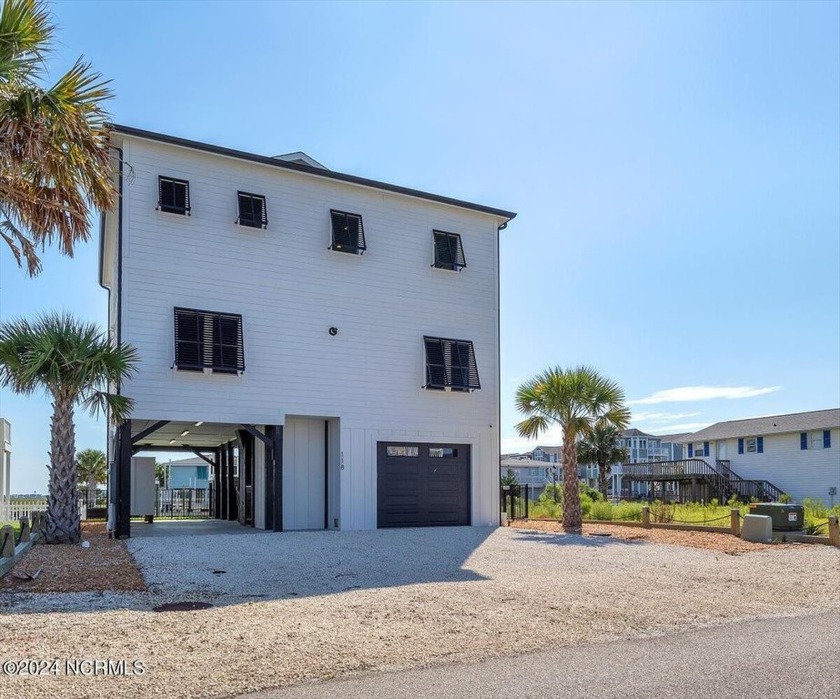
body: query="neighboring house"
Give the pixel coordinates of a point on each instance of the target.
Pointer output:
(553, 455)
(799, 453)
(188, 473)
(641, 448)
(338, 335)
(535, 474)
(5, 465)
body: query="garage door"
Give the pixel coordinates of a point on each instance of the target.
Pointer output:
(422, 485)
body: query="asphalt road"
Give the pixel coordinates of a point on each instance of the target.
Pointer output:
(768, 659)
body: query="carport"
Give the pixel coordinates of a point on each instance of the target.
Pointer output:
(229, 449)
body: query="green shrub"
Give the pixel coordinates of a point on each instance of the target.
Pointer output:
(785, 498)
(601, 510)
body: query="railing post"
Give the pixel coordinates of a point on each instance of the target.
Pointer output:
(646, 516)
(527, 498)
(735, 521)
(834, 530)
(7, 541)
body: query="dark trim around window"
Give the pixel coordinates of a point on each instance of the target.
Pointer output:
(450, 364)
(252, 210)
(449, 251)
(348, 232)
(173, 196)
(207, 340)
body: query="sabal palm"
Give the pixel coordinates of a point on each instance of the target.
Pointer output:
(73, 362)
(91, 468)
(576, 399)
(600, 447)
(54, 154)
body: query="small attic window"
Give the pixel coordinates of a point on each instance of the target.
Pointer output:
(252, 210)
(173, 196)
(348, 233)
(449, 251)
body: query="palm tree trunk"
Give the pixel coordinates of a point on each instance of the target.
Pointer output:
(571, 490)
(602, 479)
(63, 525)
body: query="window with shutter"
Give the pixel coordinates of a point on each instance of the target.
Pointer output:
(348, 233)
(207, 340)
(450, 365)
(449, 251)
(252, 210)
(173, 196)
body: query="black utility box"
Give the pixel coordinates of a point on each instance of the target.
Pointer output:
(786, 517)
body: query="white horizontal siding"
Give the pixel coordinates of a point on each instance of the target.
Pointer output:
(802, 473)
(290, 289)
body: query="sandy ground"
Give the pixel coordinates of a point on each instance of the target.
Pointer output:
(724, 543)
(106, 565)
(333, 603)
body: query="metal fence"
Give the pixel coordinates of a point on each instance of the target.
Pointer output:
(516, 500)
(183, 503)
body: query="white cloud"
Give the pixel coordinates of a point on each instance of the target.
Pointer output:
(687, 394)
(662, 417)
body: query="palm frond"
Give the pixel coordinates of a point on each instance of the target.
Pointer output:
(533, 426)
(115, 406)
(25, 36)
(55, 161)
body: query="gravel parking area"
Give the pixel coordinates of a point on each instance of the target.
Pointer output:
(317, 605)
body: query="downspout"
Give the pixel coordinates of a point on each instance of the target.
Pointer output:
(499, 229)
(112, 458)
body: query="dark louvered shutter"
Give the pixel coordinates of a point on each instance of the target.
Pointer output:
(227, 343)
(740, 445)
(690, 451)
(705, 448)
(449, 252)
(252, 210)
(451, 364)
(189, 338)
(173, 195)
(348, 233)
(803, 440)
(759, 441)
(826, 439)
(435, 363)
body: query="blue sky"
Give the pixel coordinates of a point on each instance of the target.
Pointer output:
(676, 169)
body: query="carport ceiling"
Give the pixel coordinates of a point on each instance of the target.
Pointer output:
(207, 435)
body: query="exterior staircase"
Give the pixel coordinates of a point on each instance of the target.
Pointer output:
(721, 479)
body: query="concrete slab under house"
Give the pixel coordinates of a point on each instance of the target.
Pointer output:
(327, 344)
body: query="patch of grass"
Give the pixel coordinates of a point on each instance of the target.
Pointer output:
(712, 514)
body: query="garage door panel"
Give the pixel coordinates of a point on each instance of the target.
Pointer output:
(423, 484)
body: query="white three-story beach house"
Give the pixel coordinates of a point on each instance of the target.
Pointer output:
(328, 344)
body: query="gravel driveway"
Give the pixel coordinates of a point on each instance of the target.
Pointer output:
(298, 606)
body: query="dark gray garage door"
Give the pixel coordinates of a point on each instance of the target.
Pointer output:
(422, 485)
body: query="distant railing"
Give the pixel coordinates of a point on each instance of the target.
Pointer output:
(15, 508)
(722, 478)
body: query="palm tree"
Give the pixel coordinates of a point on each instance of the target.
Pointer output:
(73, 362)
(91, 468)
(600, 447)
(54, 153)
(576, 399)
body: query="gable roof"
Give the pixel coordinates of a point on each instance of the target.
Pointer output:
(303, 167)
(772, 424)
(633, 432)
(671, 438)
